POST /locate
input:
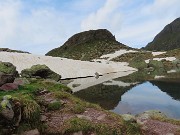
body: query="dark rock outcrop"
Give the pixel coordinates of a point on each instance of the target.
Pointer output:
(167, 39)
(88, 45)
(41, 71)
(7, 73)
(6, 78)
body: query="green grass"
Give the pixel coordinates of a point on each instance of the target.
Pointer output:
(87, 51)
(54, 106)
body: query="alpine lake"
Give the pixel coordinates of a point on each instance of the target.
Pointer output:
(136, 93)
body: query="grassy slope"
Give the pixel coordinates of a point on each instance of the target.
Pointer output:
(87, 51)
(33, 106)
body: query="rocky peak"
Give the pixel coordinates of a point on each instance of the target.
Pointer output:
(91, 35)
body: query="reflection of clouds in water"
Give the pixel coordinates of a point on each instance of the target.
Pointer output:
(148, 97)
(123, 107)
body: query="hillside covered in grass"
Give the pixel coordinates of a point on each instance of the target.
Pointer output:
(167, 39)
(88, 45)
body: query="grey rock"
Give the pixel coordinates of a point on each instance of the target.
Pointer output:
(9, 87)
(6, 78)
(84, 117)
(129, 118)
(31, 132)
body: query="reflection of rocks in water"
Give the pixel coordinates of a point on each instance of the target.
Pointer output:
(170, 86)
(107, 96)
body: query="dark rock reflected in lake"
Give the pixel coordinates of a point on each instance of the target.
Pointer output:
(136, 98)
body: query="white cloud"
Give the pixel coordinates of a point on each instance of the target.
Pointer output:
(133, 23)
(9, 11)
(38, 31)
(102, 18)
(40, 28)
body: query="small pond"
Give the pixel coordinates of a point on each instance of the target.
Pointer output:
(135, 98)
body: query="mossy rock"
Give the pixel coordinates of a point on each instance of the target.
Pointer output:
(8, 68)
(155, 64)
(41, 71)
(138, 62)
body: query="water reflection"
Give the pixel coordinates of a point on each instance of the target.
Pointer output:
(172, 88)
(148, 97)
(107, 96)
(135, 98)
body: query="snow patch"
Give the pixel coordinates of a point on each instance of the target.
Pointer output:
(67, 68)
(157, 53)
(159, 59)
(116, 54)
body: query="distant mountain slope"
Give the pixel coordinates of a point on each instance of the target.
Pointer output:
(88, 45)
(168, 38)
(10, 50)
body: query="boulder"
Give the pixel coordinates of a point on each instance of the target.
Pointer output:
(21, 81)
(6, 78)
(8, 68)
(31, 132)
(40, 71)
(9, 87)
(155, 64)
(138, 62)
(129, 118)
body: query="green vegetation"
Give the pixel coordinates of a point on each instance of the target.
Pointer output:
(88, 45)
(32, 106)
(138, 62)
(41, 71)
(7, 68)
(167, 39)
(78, 108)
(54, 106)
(87, 51)
(76, 125)
(129, 56)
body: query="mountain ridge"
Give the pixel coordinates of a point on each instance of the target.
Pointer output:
(167, 39)
(88, 45)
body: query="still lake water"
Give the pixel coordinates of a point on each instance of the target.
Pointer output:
(136, 99)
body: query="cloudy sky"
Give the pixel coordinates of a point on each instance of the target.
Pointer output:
(38, 26)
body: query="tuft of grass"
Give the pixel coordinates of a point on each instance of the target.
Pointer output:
(54, 106)
(76, 124)
(132, 128)
(31, 111)
(78, 108)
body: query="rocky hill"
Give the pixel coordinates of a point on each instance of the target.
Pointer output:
(168, 38)
(88, 45)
